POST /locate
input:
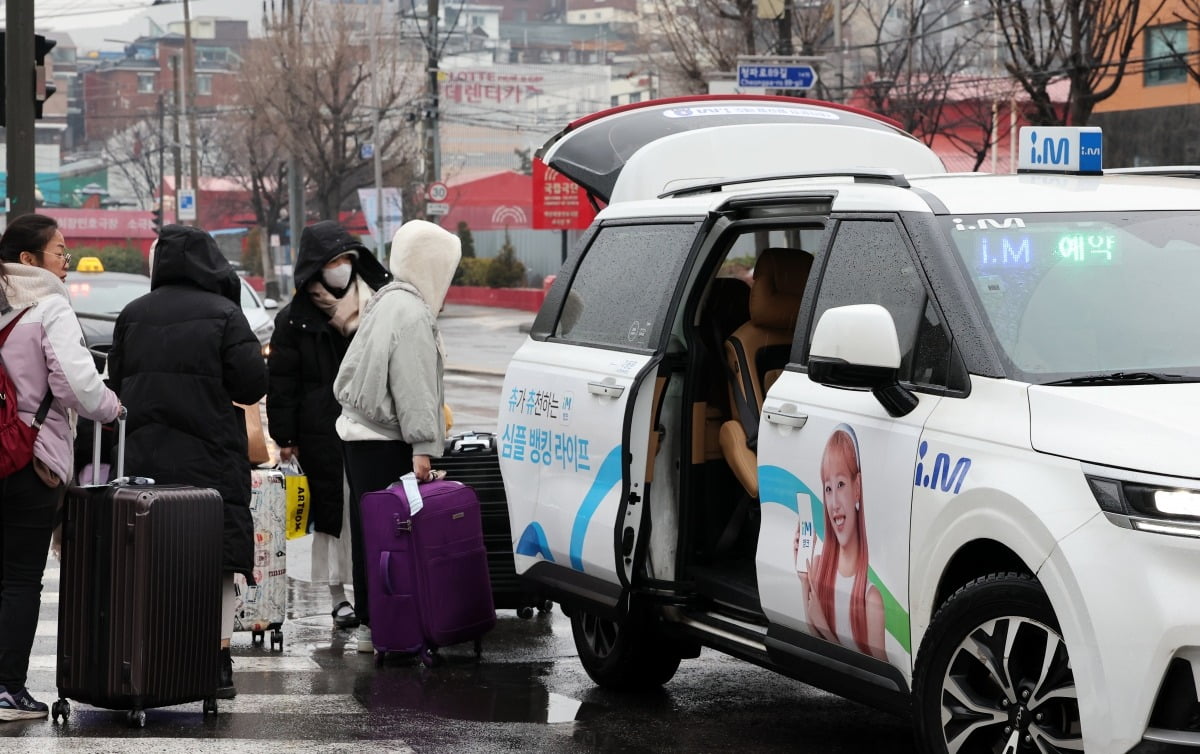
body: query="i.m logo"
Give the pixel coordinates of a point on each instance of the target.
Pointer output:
(1052, 151)
(941, 476)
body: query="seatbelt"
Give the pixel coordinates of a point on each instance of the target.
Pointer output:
(747, 410)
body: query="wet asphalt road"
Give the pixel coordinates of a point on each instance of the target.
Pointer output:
(527, 694)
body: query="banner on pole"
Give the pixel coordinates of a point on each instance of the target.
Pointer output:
(393, 212)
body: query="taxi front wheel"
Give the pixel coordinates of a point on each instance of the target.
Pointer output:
(993, 673)
(626, 656)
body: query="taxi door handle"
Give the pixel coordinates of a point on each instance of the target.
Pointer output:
(787, 416)
(606, 389)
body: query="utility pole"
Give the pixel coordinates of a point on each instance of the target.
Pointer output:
(785, 30)
(837, 46)
(162, 146)
(380, 240)
(176, 157)
(19, 115)
(433, 164)
(296, 211)
(189, 64)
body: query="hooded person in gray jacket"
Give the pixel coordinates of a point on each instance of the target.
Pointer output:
(390, 382)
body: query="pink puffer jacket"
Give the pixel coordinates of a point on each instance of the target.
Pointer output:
(46, 349)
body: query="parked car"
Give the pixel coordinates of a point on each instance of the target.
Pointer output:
(940, 456)
(98, 296)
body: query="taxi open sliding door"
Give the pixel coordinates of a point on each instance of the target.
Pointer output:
(576, 409)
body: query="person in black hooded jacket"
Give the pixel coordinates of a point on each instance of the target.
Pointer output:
(335, 277)
(181, 355)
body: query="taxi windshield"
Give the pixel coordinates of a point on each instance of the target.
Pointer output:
(1071, 295)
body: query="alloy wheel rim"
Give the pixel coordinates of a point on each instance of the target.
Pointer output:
(1009, 688)
(600, 635)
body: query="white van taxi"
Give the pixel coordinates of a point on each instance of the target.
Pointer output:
(926, 440)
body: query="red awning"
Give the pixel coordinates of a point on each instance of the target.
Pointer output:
(493, 202)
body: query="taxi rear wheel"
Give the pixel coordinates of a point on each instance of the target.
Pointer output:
(626, 656)
(993, 673)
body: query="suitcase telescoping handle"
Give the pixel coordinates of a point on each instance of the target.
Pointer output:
(121, 415)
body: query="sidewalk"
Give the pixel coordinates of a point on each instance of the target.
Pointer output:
(481, 340)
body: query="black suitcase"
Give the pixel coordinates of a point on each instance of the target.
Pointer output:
(471, 458)
(139, 616)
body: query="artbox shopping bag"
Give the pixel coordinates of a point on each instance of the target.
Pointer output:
(298, 499)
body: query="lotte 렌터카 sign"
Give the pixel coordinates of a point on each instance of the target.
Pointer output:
(558, 202)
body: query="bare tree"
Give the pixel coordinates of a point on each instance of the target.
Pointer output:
(978, 115)
(315, 94)
(690, 38)
(134, 153)
(1187, 14)
(915, 51)
(1086, 41)
(251, 152)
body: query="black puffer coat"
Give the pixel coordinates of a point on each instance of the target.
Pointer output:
(306, 352)
(181, 355)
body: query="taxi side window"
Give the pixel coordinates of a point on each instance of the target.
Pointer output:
(869, 263)
(623, 287)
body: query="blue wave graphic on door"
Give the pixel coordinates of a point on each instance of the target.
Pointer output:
(533, 541)
(780, 486)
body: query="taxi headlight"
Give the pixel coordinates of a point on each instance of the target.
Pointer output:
(1165, 510)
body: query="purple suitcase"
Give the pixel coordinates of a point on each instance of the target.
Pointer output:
(427, 574)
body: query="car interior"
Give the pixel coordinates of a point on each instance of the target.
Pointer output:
(741, 324)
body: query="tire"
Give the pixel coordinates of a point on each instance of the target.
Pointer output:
(967, 698)
(631, 656)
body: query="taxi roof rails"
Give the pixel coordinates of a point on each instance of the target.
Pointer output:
(1173, 171)
(885, 176)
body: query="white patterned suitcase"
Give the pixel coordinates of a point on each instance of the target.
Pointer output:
(263, 607)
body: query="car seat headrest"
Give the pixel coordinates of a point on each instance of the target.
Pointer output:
(780, 275)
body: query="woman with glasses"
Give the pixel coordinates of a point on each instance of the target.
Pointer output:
(41, 348)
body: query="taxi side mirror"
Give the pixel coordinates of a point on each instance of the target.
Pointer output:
(270, 303)
(856, 347)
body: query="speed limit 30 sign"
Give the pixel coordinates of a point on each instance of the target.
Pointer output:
(437, 192)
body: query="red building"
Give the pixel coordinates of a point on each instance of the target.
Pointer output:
(117, 94)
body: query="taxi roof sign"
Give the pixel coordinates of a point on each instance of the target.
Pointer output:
(1061, 149)
(89, 264)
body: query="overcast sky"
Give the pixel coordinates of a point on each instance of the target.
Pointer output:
(90, 22)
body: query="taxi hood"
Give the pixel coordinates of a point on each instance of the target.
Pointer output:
(594, 151)
(1148, 428)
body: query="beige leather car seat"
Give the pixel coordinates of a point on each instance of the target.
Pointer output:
(758, 351)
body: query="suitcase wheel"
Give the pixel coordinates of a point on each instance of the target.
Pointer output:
(61, 708)
(277, 640)
(257, 637)
(136, 718)
(525, 612)
(430, 657)
(210, 706)
(546, 607)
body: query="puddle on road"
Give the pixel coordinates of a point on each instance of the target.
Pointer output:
(483, 693)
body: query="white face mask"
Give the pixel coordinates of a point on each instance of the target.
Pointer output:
(338, 277)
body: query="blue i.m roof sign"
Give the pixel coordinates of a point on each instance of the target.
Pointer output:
(1061, 149)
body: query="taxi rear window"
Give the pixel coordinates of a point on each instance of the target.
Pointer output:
(622, 289)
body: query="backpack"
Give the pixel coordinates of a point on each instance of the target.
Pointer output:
(16, 437)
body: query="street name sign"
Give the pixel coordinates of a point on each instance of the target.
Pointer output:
(776, 76)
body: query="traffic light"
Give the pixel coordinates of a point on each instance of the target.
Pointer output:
(43, 88)
(156, 218)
